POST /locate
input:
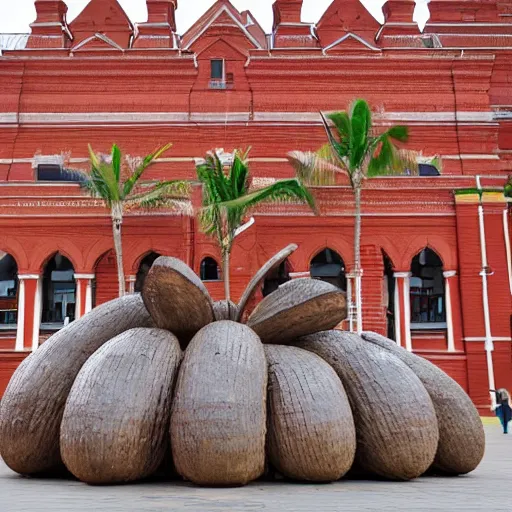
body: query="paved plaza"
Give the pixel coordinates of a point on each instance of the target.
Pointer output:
(487, 489)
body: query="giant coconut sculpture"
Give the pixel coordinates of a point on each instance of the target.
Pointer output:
(230, 392)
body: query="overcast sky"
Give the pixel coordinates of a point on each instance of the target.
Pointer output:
(16, 15)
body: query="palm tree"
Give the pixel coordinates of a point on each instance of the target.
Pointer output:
(227, 198)
(359, 153)
(120, 187)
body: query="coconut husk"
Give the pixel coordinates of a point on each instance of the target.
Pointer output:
(32, 406)
(260, 277)
(218, 419)
(298, 308)
(396, 424)
(461, 433)
(177, 299)
(225, 310)
(116, 420)
(311, 434)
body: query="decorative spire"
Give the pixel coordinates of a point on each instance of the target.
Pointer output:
(49, 29)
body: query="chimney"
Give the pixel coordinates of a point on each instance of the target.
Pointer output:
(287, 11)
(399, 11)
(50, 29)
(289, 31)
(160, 29)
(162, 11)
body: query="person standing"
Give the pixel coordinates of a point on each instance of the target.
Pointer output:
(503, 408)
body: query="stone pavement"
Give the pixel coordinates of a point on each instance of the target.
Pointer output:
(489, 488)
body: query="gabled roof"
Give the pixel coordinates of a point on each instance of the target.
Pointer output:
(346, 16)
(97, 42)
(351, 42)
(222, 13)
(103, 16)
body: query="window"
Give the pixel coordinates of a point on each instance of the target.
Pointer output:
(210, 270)
(59, 290)
(55, 172)
(427, 290)
(428, 170)
(276, 278)
(8, 291)
(144, 267)
(329, 267)
(217, 69)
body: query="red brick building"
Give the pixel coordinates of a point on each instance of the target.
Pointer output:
(437, 263)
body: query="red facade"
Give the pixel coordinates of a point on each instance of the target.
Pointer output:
(436, 263)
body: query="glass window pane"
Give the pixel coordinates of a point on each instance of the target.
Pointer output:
(217, 70)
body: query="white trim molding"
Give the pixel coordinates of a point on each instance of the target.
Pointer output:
(84, 276)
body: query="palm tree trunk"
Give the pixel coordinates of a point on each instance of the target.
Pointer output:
(117, 221)
(227, 291)
(357, 257)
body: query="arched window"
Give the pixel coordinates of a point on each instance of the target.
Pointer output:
(276, 278)
(145, 265)
(427, 289)
(328, 266)
(8, 291)
(59, 290)
(210, 270)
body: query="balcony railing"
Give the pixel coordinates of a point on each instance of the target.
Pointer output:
(220, 84)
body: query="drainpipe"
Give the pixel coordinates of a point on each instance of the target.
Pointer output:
(489, 345)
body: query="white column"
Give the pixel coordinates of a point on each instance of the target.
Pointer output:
(83, 280)
(350, 302)
(21, 315)
(398, 320)
(131, 283)
(407, 311)
(449, 315)
(38, 311)
(406, 276)
(88, 295)
(78, 297)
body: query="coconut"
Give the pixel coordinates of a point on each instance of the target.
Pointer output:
(218, 419)
(396, 424)
(225, 310)
(260, 277)
(311, 434)
(32, 406)
(176, 298)
(298, 308)
(461, 433)
(115, 424)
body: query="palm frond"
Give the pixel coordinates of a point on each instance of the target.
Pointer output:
(339, 148)
(287, 190)
(102, 179)
(361, 122)
(116, 162)
(316, 169)
(139, 171)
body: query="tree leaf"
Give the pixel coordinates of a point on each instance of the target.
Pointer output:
(139, 171)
